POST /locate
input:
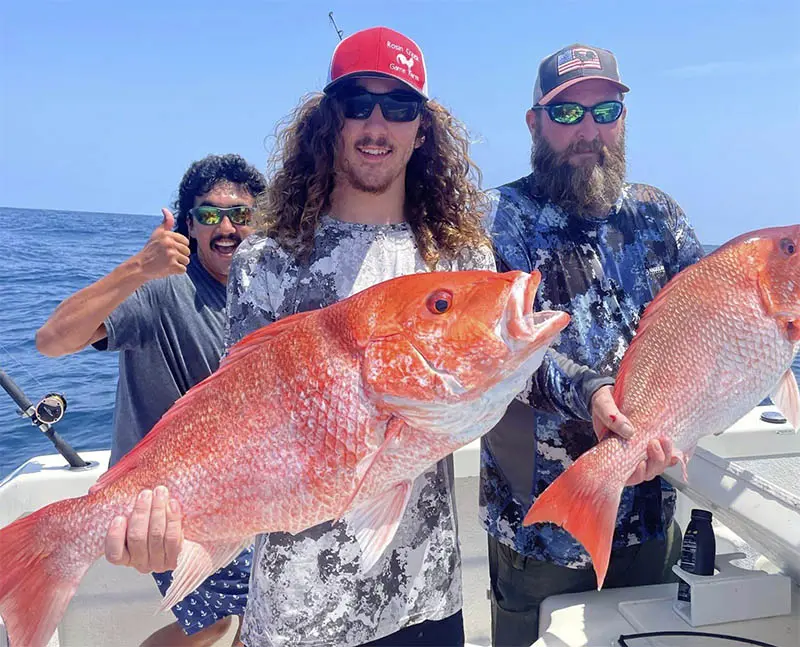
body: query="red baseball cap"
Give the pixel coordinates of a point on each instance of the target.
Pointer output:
(379, 52)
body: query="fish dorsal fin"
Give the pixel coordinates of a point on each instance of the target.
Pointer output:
(649, 315)
(375, 522)
(127, 463)
(261, 335)
(132, 458)
(196, 562)
(787, 398)
(238, 351)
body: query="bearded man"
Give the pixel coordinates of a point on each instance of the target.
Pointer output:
(605, 248)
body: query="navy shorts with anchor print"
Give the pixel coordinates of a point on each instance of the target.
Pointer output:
(222, 594)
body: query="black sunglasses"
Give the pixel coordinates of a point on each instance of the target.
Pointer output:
(209, 215)
(396, 105)
(569, 112)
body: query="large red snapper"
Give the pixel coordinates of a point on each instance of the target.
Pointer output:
(717, 339)
(323, 415)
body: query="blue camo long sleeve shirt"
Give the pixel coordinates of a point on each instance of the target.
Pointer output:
(602, 272)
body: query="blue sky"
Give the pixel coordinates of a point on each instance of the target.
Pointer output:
(104, 104)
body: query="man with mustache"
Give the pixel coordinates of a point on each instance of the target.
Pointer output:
(605, 248)
(163, 309)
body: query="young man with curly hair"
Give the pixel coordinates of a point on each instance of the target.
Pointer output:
(163, 309)
(371, 180)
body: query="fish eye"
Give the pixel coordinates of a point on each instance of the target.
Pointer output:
(440, 301)
(787, 246)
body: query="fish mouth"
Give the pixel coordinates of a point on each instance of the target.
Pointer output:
(520, 325)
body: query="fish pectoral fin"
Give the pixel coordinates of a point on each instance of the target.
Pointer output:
(375, 522)
(195, 563)
(787, 398)
(364, 467)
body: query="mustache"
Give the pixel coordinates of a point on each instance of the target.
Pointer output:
(234, 238)
(582, 146)
(370, 141)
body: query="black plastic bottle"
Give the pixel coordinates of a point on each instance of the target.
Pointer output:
(698, 550)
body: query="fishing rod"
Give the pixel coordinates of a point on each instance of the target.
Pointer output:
(339, 32)
(49, 410)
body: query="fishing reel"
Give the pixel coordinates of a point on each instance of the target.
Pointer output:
(50, 409)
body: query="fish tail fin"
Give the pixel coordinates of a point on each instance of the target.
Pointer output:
(40, 569)
(584, 505)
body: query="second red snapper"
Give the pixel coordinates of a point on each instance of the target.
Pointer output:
(717, 339)
(325, 415)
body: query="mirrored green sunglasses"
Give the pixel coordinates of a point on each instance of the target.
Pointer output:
(569, 112)
(209, 215)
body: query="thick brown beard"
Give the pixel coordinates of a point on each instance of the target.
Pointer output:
(587, 191)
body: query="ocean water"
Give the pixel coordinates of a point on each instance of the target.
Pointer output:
(45, 257)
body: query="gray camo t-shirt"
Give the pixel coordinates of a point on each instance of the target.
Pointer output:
(307, 589)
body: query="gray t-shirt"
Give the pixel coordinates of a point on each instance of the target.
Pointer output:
(169, 334)
(308, 589)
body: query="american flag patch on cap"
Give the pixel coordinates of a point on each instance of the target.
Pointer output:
(577, 57)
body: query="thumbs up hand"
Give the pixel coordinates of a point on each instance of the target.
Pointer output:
(167, 251)
(168, 223)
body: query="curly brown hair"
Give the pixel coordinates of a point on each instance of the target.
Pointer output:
(443, 204)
